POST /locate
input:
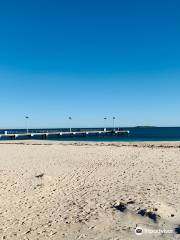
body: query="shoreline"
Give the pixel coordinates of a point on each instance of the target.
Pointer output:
(175, 144)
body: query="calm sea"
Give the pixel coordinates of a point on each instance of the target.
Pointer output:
(140, 134)
(136, 134)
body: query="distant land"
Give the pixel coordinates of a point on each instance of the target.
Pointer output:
(145, 127)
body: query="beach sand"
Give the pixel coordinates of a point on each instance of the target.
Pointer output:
(65, 190)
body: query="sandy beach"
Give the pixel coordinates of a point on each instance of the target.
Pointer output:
(67, 190)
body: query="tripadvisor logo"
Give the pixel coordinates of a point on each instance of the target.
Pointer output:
(139, 231)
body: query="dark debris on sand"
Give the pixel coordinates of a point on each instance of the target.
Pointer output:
(177, 230)
(152, 215)
(131, 202)
(40, 175)
(120, 207)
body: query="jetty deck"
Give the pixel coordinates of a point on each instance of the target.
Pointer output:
(63, 135)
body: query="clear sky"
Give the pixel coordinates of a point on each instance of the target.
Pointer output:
(89, 59)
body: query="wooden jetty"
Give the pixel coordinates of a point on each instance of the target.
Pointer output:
(63, 135)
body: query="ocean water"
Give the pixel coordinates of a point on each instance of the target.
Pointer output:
(136, 134)
(154, 134)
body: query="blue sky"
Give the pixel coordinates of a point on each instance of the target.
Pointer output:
(89, 59)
